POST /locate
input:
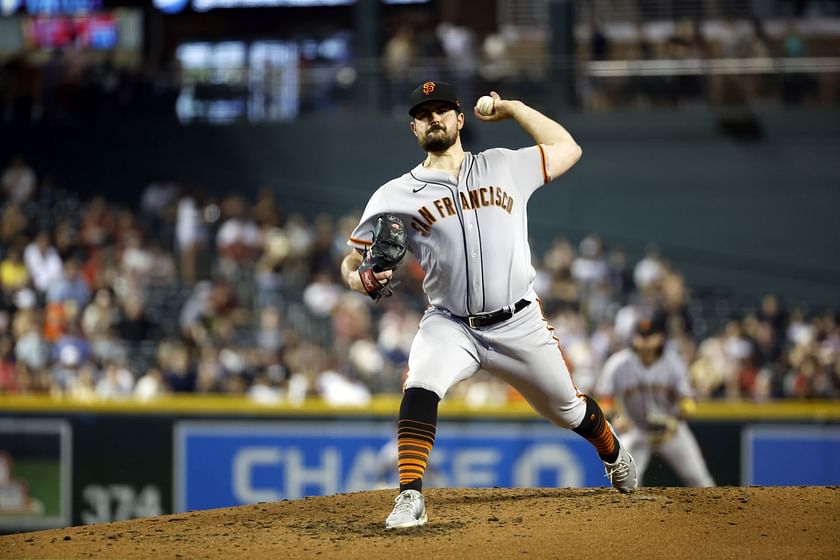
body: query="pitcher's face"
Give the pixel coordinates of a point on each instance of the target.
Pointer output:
(436, 125)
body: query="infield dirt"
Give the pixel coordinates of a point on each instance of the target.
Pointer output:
(731, 522)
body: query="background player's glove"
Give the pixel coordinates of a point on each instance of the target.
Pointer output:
(386, 252)
(661, 427)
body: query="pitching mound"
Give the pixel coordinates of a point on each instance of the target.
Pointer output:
(477, 523)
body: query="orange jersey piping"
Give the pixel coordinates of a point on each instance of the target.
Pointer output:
(546, 178)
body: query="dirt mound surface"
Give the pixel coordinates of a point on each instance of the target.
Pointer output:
(477, 523)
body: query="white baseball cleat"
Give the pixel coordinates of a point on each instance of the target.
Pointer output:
(622, 473)
(410, 511)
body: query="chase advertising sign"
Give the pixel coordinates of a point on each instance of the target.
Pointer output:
(221, 464)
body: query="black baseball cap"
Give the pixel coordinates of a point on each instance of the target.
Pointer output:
(654, 323)
(433, 91)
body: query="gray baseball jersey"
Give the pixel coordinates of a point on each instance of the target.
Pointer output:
(645, 391)
(469, 233)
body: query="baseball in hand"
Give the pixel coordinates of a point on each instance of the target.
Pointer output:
(485, 105)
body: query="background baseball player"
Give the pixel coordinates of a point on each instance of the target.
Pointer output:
(652, 387)
(466, 223)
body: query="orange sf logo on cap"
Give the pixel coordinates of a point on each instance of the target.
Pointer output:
(428, 88)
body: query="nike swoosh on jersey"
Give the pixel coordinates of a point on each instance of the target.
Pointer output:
(415, 191)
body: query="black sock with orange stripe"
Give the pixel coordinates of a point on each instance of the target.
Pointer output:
(597, 432)
(416, 436)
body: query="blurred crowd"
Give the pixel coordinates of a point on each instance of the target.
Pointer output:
(675, 57)
(80, 85)
(191, 293)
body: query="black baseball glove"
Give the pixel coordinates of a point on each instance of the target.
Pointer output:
(386, 252)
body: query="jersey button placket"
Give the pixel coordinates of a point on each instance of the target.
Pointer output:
(475, 266)
(474, 253)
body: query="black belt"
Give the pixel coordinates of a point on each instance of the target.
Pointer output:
(487, 319)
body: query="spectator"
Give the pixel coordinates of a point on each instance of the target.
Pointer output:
(268, 275)
(31, 349)
(808, 379)
(351, 321)
(190, 237)
(428, 44)
(591, 275)
(396, 58)
(649, 271)
(264, 391)
(210, 372)
(155, 201)
(649, 90)
(65, 370)
(270, 338)
(238, 239)
(336, 389)
(459, 45)
(13, 273)
(397, 328)
(496, 64)
(137, 261)
(97, 224)
(18, 181)
(82, 385)
(323, 256)
(322, 294)
(14, 223)
(687, 43)
(42, 262)
(597, 96)
(161, 266)
(772, 313)
(73, 339)
(67, 240)
(8, 372)
(798, 86)
(739, 353)
(100, 315)
(590, 268)
(712, 370)
(150, 386)
(71, 286)
(768, 350)
(134, 326)
(116, 383)
(178, 373)
(266, 211)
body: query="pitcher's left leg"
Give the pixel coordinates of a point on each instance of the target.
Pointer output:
(528, 356)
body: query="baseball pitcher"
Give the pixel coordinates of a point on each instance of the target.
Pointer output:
(653, 389)
(464, 217)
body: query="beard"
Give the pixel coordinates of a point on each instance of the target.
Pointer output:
(438, 140)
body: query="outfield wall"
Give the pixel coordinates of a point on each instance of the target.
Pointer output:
(96, 462)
